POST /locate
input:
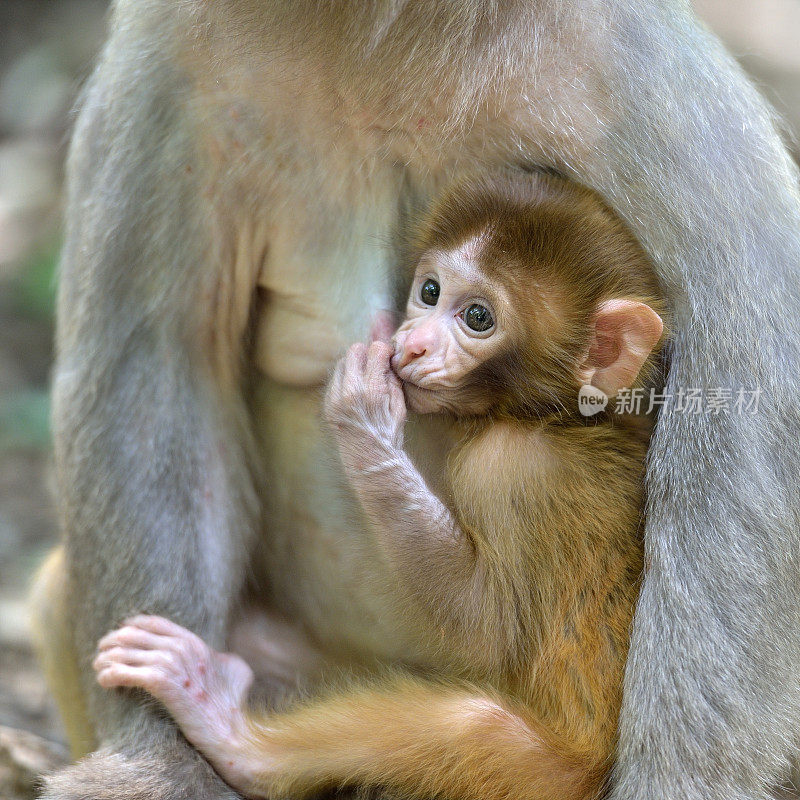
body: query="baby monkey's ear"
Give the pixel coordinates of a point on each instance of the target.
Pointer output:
(624, 333)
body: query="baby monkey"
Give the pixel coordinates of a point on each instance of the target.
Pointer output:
(521, 574)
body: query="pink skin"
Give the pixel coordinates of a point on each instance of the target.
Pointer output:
(409, 363)
(414, 345)
(203, 690)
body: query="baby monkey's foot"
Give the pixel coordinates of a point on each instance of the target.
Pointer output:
(202, 689)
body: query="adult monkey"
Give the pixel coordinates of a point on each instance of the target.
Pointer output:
(236, 167)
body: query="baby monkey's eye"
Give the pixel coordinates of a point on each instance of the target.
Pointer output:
(478, 318)
(429, 294)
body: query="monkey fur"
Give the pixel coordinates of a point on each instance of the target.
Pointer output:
(237, 171)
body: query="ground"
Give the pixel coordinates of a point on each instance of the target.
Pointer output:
(46, 50)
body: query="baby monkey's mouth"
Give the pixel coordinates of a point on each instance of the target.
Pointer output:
(401, 372)
(419, 399)
(405, 375)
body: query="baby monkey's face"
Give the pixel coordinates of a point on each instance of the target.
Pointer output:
(455, 321)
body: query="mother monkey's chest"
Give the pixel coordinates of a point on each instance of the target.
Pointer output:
(331, 265)
(327, 272)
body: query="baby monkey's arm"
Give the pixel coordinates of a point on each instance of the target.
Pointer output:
(432, 556)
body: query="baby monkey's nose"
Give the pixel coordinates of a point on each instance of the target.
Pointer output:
(416, 343)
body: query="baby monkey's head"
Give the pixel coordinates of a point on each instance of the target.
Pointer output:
(526, 287)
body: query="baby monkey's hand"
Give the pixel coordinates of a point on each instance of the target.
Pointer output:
(365, 402)
(202, 689)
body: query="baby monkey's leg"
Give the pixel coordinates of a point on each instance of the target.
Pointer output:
(411, 735)
(203, 690)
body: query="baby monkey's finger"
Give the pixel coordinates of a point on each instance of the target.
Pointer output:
(379, 358)
(356, 358)
(123, 675)
(130, 656)
(157, 624)
(378, 369)
(130, 636)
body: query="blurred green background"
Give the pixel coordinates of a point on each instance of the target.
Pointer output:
(46, 50)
